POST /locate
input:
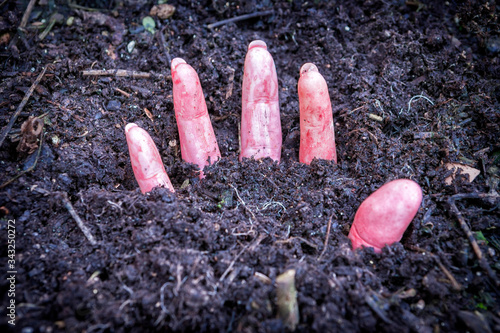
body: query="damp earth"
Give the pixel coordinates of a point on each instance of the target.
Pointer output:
(415, 90)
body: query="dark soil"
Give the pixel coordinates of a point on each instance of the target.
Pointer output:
(206, 258)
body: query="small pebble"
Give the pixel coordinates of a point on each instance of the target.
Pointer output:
(493, 44)
(113, 105)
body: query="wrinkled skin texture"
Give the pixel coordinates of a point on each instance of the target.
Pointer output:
(317, 137)
(196, 134)
(384, 216)
(260, 120)
(146, 160)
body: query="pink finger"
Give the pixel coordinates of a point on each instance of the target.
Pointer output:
(384, 216)
(317, 137)
(260, 114)
(196, 135)
(146, 161)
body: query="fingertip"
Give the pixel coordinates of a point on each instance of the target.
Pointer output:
(129, 127)
(177, 61)
(257, 43)
(308, 67)
(411, 186)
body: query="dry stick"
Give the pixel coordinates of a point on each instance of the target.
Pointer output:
(457, 286)
(20, 29)
(426, 135)
(289, 240)
(87, 9)
(272, 183)
(359, 107)
(30, 168)
(375, 117)
(252, 248)
(65, 109)
(164, 45)
(223, 276)
(27, 14)
(448, 274)
(124, 93)
(482, 261)
(78, 220)
(117, 73)
(55, 18)
(326, 238)
(239, 18)
(370, 301)
(21, 106)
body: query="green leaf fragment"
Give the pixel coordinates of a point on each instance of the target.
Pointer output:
(481, 306)
(149, 24)
(480, 236)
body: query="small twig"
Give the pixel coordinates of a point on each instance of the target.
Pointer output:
(250, 247)
(164, 46)
(224, 117)
(21, 106)
(117, 73)
(482, 261)
(325, 246)
(359, 107)
(379, 310)
(27, 14)
(88, 9)
(42, 115)
(31, 167)
(270, 181)
(446, 272)
(123, 92)
(375, 117)
(257, 242)
(65, 109)
(426, 135)
(55, 18)
(289, 240)
(81, 225)
(223, 276)
(362, 130)
(373, 136)
(239, 18)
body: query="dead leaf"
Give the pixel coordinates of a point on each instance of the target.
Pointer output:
(30, 130)
(110, 51)
(149, 114)
(466, 170)
(5, 38)
(163, 11)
